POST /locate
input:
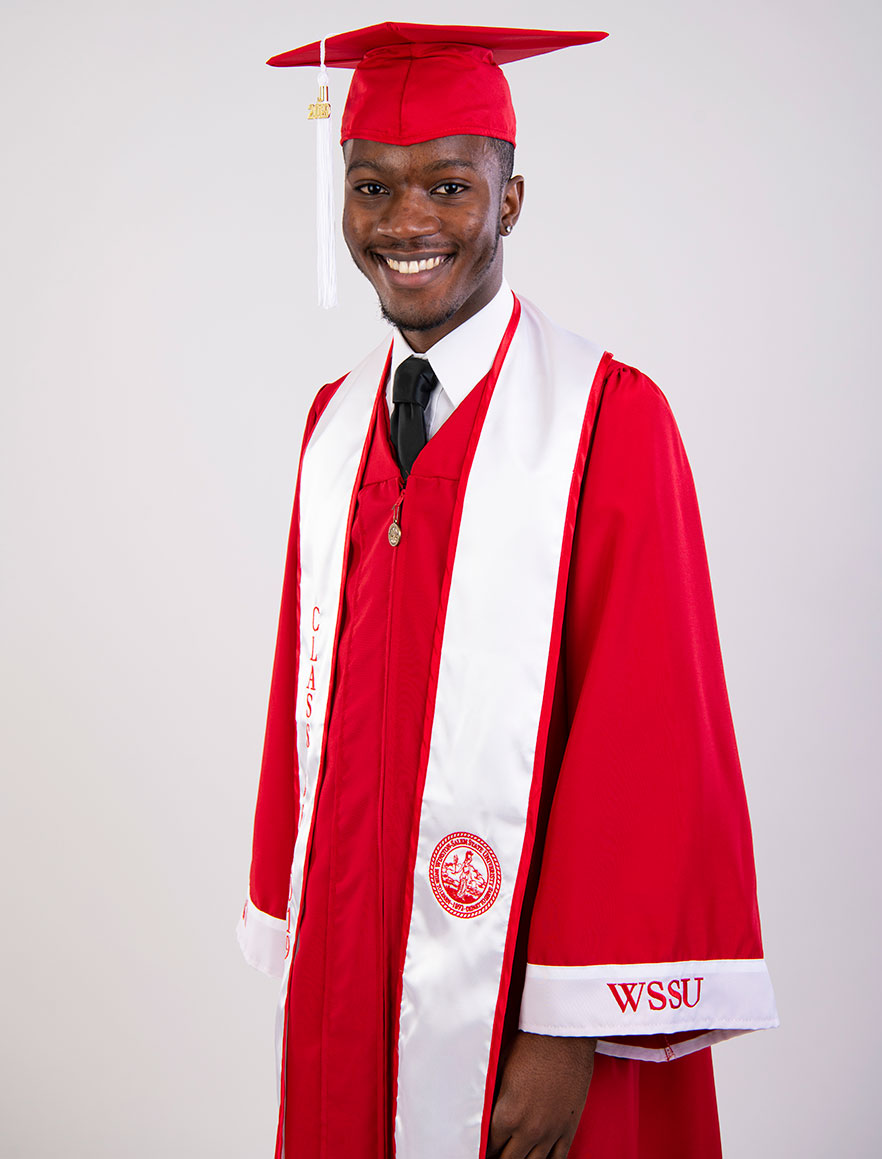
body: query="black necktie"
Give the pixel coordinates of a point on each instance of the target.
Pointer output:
(413, 385)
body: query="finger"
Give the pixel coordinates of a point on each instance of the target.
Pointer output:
(517, 1148)
(498, 1137)
(495, 1144)
(561, 1149)
(527, 1150)
(540, 1151)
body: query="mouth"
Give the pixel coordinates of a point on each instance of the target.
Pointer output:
(410, 270)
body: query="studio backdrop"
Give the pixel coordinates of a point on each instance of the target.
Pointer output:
(702, 196)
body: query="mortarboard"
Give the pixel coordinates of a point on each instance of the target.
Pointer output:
(412, 83)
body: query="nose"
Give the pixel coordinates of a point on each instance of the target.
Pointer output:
(409, 214)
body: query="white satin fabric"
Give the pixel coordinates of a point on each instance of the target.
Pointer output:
(649, 998)
(484, 733)
(328, 478)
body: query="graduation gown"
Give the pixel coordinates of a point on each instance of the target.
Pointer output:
(642, 855)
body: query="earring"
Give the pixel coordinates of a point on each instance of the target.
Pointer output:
(506, 228)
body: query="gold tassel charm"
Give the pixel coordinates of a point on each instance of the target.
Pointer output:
(321, 110)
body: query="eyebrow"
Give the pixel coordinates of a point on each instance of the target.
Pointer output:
(435, 167)
(364, 165)
(450, 163)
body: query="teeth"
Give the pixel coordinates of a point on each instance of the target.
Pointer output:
(413, 267)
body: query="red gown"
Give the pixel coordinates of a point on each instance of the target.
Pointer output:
(639, 606)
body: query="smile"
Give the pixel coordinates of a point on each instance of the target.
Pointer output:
(414, 267)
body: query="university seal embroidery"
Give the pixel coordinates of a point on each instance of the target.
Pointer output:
(465, 875)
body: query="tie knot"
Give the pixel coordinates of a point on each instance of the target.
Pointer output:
(414, 382)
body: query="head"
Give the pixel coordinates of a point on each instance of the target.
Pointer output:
(441, 188)
(443, 204)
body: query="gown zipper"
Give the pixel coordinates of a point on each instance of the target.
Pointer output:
(394, 536)
(395, 525)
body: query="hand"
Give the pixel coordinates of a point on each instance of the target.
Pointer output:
(544, 1085)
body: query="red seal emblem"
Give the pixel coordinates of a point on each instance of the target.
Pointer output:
(465, 875)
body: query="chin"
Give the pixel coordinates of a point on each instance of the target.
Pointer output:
(428, 317)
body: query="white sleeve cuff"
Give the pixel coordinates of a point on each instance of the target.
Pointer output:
(714, 999)
(263, 940)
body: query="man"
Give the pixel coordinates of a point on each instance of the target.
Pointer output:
(500, 824)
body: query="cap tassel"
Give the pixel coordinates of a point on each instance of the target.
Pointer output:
(326, 261)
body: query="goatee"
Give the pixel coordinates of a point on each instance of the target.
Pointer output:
(416, 321)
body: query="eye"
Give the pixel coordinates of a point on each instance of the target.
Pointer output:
(370, 188)
(450, 188)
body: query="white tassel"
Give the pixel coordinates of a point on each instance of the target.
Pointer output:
(326, 260)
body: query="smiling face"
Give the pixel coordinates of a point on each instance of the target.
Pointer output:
(422, 223)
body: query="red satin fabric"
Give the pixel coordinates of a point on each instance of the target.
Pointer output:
(394, 95)
(415, 82)
(647, 854)
(650, 788)
(345, 974)
(348, 49)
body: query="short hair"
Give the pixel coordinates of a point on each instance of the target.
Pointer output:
(504, 151)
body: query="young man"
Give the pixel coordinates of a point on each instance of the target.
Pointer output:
(500, 823)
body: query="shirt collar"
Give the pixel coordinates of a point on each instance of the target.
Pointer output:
(461, 358)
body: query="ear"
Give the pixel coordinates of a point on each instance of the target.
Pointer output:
(512, 203)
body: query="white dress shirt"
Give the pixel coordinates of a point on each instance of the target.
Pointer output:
(460, 359)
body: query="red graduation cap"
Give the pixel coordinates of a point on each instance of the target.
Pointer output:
(412, 83)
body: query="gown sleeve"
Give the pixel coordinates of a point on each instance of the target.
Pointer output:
(262, 930)
(645, 930)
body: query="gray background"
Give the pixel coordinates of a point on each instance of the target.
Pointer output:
(703, 199)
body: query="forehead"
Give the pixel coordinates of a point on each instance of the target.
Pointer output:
(464, 151)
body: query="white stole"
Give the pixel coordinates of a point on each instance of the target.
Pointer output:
(484, 720)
